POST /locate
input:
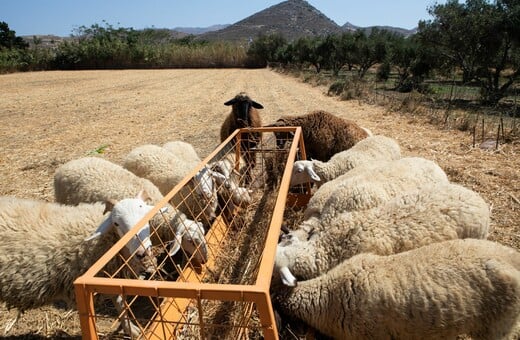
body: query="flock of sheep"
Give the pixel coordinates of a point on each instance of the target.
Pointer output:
(388, 248)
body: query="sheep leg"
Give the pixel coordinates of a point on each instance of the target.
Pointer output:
(129, 328)
(11, 323)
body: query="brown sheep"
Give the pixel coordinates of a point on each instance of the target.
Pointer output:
(244, 113)
(324, 134)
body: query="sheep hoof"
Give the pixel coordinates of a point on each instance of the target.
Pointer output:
(11, 323)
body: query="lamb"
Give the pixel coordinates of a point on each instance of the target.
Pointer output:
(437, 291)
(324, 134)
(369, 185)
(375, 148)
(228, 184)
(244, 113)
(166, 168)
(46, 246)
(93, 179)
(427, 215)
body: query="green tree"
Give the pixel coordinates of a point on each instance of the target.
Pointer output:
(480, 39)
(267, 48)
(370, 49)
(8, 38)
(332, 53)
(305, 50)
(412, 61)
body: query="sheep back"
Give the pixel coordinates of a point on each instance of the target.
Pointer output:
(182, 150)
(43, 250)
(431, 214)
(437, 291)
(93, 179)
(324, 134)
(370, 149)
(159, 165)
(369, 185)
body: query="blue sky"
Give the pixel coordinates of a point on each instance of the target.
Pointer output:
(61, 17)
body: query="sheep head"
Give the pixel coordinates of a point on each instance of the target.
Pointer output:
(282, 137)
(124, 214)
(193, 241)
(242, 104)
(303, 172)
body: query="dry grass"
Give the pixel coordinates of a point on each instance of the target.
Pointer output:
(48, 118)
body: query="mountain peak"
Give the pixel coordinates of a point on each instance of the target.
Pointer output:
(291, 18)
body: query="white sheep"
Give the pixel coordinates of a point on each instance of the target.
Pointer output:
(371, 184)
(375, 148)
(46, 246)
(427, 215)
(438, 291)
(93, 179)
(166, 168)
(228, 185)
(183, 150)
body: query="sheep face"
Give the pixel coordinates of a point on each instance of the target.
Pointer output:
(283, 260)
(241, 106)
(193, 241)
(204, 182)
(303, 172)
(226, 178)
(123, 216)
(284, 136)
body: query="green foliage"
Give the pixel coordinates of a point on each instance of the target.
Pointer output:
(336, 88)
(8, 38)
(268, 48)
(412, 62)
(383, 71)
(481, 39)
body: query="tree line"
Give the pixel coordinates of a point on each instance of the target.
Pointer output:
(475, 43)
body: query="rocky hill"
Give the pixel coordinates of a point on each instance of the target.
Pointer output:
(350, 27)
(292, 18)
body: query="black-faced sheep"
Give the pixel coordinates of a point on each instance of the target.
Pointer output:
(324, 134)
(46, 246)
(431, 214)
(244, 113)
(438, 291)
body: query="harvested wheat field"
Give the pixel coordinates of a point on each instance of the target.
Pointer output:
(49, 118)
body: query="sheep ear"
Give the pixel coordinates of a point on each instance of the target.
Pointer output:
(218, 176)
(288, 278)
(256, 105)
(109, 205)
(230, 102)
(102, 229)
(143, 195)
(313, 175)
(175, 247)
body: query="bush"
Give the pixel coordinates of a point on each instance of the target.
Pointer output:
(336, 88)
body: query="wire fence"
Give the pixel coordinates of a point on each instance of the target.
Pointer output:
(458, 108)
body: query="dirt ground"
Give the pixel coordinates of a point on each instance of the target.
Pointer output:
(49, 118)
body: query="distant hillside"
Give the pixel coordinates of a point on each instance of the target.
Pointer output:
(292, 18)
(199, 30)
(349, 27)
(43, 40)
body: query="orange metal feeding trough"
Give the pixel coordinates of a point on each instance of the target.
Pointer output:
(228, 296)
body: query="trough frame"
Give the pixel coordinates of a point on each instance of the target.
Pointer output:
(87, 285)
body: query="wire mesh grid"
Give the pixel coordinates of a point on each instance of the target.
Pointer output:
(224, 294)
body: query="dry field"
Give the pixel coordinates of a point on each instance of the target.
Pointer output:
(48, 118)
